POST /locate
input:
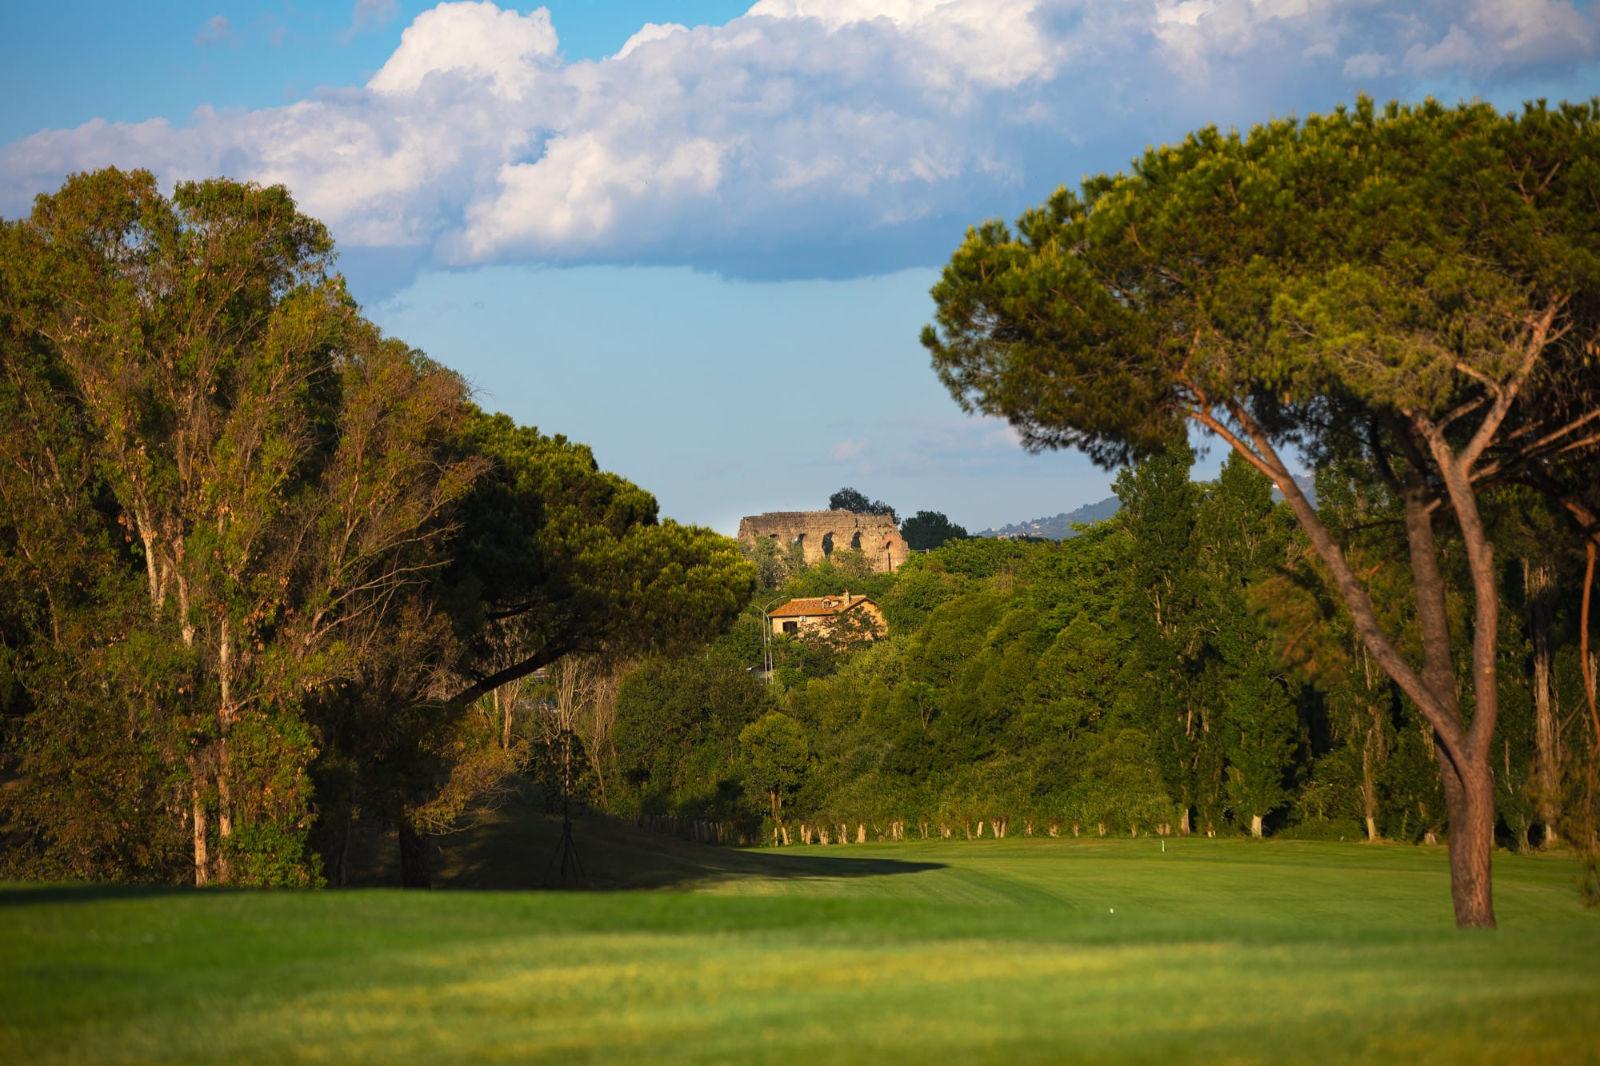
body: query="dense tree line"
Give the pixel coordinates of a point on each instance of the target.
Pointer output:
(264, 570)
(1176, 669)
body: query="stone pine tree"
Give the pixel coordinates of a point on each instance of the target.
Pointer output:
(559, 557)
(926, 530)
(1411, 288)
(849, 499)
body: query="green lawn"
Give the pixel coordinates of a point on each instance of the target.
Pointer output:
(996, 951)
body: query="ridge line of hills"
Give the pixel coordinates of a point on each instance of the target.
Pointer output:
(1059, 526)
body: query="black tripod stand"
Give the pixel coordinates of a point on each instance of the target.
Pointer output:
(565, 864)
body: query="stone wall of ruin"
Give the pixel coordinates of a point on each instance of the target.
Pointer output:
(821, 533)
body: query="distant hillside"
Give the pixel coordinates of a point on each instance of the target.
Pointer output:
(1057, 527)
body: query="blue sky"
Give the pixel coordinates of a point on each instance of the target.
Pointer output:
(699, 236)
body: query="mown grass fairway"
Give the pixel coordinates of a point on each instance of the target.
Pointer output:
(996, 951)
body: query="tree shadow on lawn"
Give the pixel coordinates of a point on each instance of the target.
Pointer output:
(518, 849)
(521, 853)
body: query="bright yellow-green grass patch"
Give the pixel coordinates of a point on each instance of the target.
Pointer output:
(940, 952)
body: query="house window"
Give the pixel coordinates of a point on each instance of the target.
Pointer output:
(791, 627)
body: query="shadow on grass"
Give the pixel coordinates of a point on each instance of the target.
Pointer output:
(519, 847)
(674, 863)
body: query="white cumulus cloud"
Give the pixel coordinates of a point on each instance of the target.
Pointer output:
(476, 40)
(805, 137)
(650, 31)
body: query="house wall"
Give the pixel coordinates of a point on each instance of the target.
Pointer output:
(809, 623)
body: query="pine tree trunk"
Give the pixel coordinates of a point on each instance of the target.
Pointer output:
(1369, 783)
(1465, 774)
(1469, 799)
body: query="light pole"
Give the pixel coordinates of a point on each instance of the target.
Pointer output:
(766, 639)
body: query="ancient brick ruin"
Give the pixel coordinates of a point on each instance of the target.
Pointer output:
(821, 533)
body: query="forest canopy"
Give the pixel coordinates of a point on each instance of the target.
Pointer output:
(258, 560)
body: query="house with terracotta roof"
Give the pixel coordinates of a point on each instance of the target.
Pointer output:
(814, 613)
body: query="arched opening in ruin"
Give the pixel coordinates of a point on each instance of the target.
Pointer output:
(827, 544)
(855, 541)
(800, 539)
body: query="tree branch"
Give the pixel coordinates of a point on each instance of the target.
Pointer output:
(514, 672)
(1265, 458)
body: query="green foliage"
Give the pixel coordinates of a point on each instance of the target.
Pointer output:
(918, 587)
(774, 758)
(979, 556)
(1179, 667)
(279, 471)
(677, 734)
(848, 499)
(559, 556)
(1353, 256)
(774, 564)
(247, 540)
(929, 529)
(1241, 538)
